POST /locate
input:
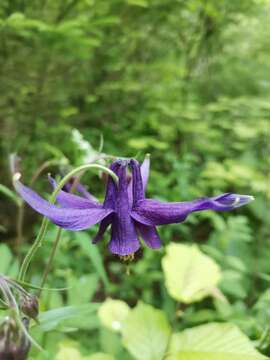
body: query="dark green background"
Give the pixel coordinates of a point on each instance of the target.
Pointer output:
(188, 82)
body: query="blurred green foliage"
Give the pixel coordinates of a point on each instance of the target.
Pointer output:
(187, 81)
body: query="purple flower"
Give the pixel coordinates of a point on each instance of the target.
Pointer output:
(125, 208)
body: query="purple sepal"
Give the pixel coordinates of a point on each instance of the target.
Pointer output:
(67, 218)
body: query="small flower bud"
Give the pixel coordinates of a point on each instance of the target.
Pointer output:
(29, 306)
(13, 343)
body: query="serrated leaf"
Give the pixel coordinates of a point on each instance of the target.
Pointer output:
(212, 342)
(190, 275)
(112, 313)
(146, 333)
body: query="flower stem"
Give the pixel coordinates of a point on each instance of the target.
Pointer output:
(44, 225)
(49, 264)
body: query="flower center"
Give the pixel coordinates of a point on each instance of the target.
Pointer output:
(127, 258)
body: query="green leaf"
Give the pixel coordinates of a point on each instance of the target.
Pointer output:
(51, 319)
(6, 258)
(10, 194)
(212, 342)
(190, 275)
(146, 333)
(8, 264)
(100, 356)
(112, 313)
(69, 350)
(142, 3)
(93, 253)
(88, 283)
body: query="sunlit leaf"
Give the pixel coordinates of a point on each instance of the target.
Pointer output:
(146, 333)
(190, 275)
(212, 342)
(112, 313)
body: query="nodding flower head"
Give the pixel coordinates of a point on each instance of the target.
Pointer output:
(125, 209)
(15, 341)
(13, 296)
(14, 344)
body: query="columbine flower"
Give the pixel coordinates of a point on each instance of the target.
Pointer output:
(125, 209)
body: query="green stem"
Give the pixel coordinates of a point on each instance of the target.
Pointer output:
(39, 239)
(51, 257)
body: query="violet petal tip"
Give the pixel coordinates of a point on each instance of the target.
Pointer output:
(235, 200)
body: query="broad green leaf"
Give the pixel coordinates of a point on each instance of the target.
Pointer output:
(112, 313)
(212, 342)
(146, 333)
(190, 275)
(51, 319)
(110, 342)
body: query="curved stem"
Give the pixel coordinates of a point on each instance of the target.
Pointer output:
(38, 241)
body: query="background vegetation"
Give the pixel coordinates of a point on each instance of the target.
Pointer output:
(187, 81)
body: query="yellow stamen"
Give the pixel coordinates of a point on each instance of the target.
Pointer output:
(126, 258)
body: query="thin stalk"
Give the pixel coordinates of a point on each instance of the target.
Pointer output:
(39, 239)
(55, 245)
(50, 261)
(19, 226)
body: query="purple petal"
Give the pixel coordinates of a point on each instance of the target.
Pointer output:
(230, 201)
(144, 170)
(81, 189)
(72, 201)
(124, 239)
(109, 202)
(149, 234)
(105, 223)
(111, 190)
(137, 183)
(67, 218)
(154, 212)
